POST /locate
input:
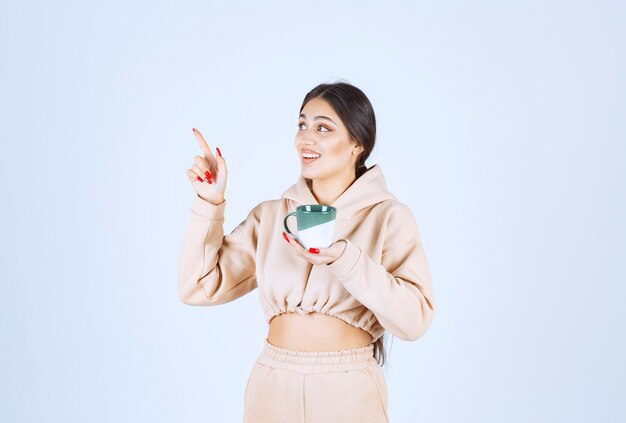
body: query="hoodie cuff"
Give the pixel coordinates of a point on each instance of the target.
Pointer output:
(208, 210)
(346, 261)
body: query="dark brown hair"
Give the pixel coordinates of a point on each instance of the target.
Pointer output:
(357, 114)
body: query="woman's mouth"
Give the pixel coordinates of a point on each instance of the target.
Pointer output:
(309, 158)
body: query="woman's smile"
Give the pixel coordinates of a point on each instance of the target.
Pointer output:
(306, 160)
(309, 156)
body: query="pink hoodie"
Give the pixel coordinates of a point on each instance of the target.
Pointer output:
(381, 281)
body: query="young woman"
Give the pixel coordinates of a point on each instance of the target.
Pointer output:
(327, 308)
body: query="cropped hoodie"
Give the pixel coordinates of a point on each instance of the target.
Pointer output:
(380, 282)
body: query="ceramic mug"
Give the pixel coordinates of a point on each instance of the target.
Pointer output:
(316, 225)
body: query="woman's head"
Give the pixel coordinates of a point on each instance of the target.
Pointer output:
(337, 122)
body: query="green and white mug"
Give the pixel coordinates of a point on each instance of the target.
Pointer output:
(316, 225)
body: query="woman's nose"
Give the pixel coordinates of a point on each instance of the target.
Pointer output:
(306, 138)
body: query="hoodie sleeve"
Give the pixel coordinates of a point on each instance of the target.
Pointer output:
(398, 290)
(213, 268)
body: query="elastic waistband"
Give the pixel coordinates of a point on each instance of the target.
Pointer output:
(316, 361)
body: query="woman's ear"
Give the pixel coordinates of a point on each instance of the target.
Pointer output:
(357, 149)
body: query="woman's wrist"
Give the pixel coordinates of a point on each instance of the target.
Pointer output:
(212, 202)
(345, 244)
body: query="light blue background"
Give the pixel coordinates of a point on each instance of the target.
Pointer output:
(501, 124)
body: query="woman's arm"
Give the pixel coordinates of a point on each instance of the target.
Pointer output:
(213, 268)
(399, 290)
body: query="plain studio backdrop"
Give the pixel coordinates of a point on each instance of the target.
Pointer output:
(502, 125)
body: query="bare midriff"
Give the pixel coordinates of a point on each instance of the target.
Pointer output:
(315, 332)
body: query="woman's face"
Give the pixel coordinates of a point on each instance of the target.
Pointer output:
(321, 132)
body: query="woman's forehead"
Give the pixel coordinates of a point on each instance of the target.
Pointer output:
(319, 109)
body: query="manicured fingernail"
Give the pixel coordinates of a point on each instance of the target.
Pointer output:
(285, 236)
(194, 129)
(218, 151)
(314, 250)
(200, 179)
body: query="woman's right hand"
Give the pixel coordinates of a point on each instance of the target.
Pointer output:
(208, 174)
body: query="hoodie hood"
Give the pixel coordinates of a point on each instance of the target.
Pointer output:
(367, 190)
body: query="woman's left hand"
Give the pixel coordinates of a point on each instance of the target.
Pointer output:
(317, 255)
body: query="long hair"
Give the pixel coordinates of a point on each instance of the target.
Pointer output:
(357, 114)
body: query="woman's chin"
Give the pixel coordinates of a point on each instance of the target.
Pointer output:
(318, 174)
(307, 173)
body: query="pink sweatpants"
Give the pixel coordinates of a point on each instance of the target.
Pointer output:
(344, 386)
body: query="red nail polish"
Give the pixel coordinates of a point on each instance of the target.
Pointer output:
(285, 236)
(314, 250)
(194, 129)
(200, 179)
(218, 151)
(208, 174)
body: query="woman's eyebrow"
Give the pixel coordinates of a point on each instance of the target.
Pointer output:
(302, 115)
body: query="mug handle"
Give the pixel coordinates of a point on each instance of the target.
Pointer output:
(285, 223)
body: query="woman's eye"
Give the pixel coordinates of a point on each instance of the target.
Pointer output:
(321, 127)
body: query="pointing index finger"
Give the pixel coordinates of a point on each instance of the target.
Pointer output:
(203, 145)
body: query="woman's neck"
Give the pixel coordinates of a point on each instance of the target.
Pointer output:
(326, 191)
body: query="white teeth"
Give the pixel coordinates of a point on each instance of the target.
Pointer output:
(310, 156)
